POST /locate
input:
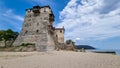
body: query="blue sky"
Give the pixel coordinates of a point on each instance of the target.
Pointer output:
(87, 22)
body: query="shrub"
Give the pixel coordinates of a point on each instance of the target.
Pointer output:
(27, 44)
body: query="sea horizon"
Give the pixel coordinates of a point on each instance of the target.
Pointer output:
(117, 51)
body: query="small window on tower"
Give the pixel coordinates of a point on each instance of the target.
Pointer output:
(26, 32)
(37, 31)
(56, 36)
(60, 31)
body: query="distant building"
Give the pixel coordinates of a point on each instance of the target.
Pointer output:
(38, 29)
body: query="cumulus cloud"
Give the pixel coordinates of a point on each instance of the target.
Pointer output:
(91, 19)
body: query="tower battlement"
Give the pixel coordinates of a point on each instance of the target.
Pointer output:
(39, 9)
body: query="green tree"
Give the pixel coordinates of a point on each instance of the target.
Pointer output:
(70, 41)
(8, 35)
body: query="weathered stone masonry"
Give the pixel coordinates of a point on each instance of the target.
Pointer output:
(38, 29)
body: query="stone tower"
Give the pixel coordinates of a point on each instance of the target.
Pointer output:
(60, 34)
(38, 29)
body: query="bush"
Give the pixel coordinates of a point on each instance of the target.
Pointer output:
(27, 44)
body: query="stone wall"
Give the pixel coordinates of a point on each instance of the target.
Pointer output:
(8, 43)
(70, 46)
(2, 44)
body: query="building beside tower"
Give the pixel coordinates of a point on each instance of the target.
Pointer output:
(38, 28)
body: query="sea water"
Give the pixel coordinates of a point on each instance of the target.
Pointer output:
(117, 51)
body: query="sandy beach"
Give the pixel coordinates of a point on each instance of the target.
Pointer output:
(58, 59)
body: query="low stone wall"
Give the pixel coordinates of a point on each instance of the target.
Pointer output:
(69, 46)
(28, 48)
(8, 43)
(2, 44)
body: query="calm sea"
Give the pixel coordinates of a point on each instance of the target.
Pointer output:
(117, 51)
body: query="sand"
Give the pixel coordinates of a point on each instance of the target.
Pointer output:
(58, 59)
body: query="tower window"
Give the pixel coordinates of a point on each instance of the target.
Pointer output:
(26, 32)
(56, 36)
(60, 31)
(37, 31)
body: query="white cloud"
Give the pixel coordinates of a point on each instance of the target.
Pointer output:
(91, 19)
(9, 20)
(9, 13)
